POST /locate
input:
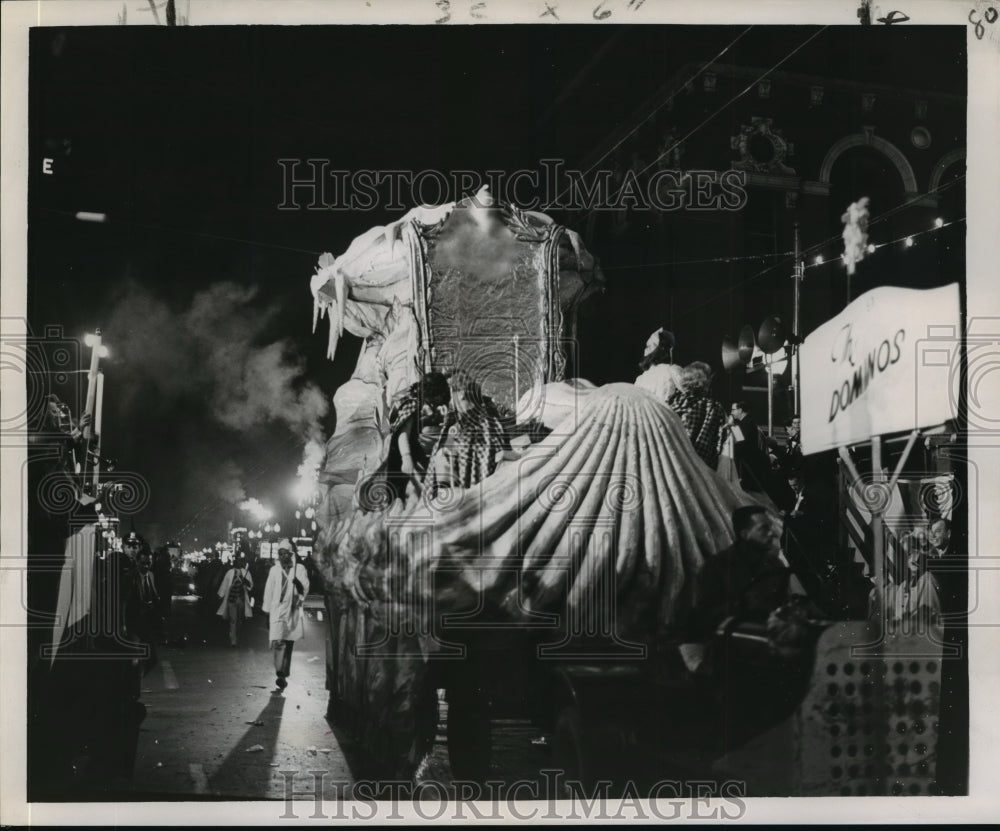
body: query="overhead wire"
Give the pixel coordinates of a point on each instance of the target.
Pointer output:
(660, 106)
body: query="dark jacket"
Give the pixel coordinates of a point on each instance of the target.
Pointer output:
(752, 461)
(737, 581)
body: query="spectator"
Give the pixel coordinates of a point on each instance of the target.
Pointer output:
(143, 605)
(914, 604)
(703, 417)
(939, 537)
(162, 579)
(749, 579)
(949, 568)
(259, 571)
(235, 591)
(211, 579)
(793, 450)
(752, 462)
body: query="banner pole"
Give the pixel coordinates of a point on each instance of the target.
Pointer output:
(796, 324)
(878, 541)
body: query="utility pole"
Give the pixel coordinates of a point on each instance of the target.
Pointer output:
(796, 321)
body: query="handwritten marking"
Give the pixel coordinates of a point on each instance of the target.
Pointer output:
(549, 11)
(169, 679)
(990, 16)
(599, 15)
(445, 6)
(894, 17)
(477, 8)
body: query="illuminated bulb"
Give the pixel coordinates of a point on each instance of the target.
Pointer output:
(298, 514)
(277, 528)
(314, 526)
(310, 513)
(909, 242)
(938, 222)
(819, 259)
(871, 248)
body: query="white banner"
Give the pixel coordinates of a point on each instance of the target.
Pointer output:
(75, 584)
(888, 363)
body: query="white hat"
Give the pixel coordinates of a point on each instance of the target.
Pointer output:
(287, 545)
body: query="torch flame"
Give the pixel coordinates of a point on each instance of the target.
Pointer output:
(256, 509)
(308, 473)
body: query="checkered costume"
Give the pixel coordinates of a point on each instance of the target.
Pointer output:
(704, 420)
(467, 451)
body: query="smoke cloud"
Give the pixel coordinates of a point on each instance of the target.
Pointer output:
(217, 356)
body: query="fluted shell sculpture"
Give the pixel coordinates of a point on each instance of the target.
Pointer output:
(609, 517)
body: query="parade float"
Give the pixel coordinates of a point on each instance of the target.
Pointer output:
(554, 580)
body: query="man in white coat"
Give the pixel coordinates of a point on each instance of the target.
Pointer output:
(235, 591)
(284, 594)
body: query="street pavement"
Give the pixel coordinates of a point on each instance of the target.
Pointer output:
(217, 727)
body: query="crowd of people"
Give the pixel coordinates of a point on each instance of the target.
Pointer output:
(798, 493)
(733, 444)
(445, 433)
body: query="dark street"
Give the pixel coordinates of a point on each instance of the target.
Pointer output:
(208, 705)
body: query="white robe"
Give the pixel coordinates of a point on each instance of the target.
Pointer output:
(286, 615)
(663, 380)
(227, 582)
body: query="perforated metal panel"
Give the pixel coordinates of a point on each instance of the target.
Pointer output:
(869, 724)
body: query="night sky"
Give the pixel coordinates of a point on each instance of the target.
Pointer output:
(200, 283)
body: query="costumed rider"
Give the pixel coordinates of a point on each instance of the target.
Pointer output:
(284, 597)
(416, 422)
(660, 375)
(472, 439)
(702, 416)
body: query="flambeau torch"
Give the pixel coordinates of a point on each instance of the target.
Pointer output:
(95, 401)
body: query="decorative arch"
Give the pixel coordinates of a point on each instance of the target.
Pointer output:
(886, 148)
(946, 161)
